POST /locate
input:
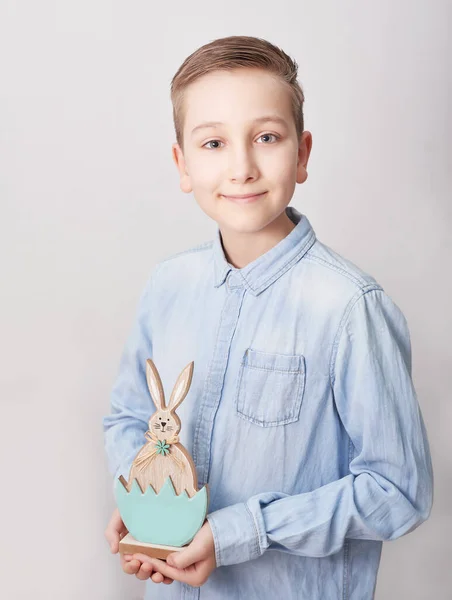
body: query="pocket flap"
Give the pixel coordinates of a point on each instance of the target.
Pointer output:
(256, 359)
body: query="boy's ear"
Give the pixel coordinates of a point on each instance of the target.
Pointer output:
(304, 150)
(179, 160)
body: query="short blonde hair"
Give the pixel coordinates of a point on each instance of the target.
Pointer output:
(234, 52)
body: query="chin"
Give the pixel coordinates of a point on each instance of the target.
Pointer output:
(241, 219)
(245, 223)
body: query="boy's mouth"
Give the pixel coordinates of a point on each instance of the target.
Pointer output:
(244, 198)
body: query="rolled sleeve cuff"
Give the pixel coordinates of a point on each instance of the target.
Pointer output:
(235, 535)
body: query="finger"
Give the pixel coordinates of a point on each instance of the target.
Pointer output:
(166, 570)
(184, 558)
(159, 578)
(113, 530)
(144, 571)
(132, 567)
(125, 558)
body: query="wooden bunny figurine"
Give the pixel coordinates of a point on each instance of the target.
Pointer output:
(163, 455)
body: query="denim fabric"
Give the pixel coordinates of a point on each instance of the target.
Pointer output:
(301, 416)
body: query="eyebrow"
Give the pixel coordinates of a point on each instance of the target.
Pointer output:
(274, 118)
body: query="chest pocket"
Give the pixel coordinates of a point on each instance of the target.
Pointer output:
(270, 387)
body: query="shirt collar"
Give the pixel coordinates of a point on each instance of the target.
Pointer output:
(268, 267)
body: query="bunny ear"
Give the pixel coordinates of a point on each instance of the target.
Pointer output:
(155, 385)
(182, 386)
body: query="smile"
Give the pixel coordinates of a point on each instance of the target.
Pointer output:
(245, 198)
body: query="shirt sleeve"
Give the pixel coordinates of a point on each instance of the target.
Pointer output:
(131, 403)
(388, 491)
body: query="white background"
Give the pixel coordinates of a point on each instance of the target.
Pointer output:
(90, 201)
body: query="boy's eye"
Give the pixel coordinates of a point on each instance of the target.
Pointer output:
(269, 135)
(212, 142)
(266, 135)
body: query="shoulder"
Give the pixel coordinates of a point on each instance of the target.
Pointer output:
(334, 286)
(186, 263)
(355, 295)
(334, 282)
(356, 303)
(200, 251)
(332, 267)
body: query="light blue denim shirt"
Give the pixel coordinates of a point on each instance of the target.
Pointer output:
(301, 415)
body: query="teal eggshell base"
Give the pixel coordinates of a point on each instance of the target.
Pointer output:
(162, 518)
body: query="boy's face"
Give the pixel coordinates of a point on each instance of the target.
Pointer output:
(241, 155)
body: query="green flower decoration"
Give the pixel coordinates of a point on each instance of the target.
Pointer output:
(162, 447)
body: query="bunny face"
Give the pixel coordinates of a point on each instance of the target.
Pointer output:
(164, 424)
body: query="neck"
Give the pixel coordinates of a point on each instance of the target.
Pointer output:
(242, 248)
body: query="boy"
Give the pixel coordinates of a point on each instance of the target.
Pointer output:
(301, 414)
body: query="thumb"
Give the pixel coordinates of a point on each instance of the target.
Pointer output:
(114, 528)
(184, 558)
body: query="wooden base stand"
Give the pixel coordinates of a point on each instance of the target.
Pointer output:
(129, 545)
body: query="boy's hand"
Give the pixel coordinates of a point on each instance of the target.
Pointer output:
(193, 565)
(114, 532)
